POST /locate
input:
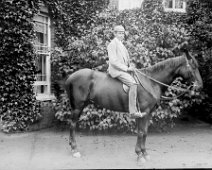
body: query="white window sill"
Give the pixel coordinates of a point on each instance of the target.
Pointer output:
(45, 97)
(174, 10)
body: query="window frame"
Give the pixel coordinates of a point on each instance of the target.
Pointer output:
(47, 95)
(129, 4)
(173, 9)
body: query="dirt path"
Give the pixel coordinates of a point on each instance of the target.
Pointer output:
(187, 146)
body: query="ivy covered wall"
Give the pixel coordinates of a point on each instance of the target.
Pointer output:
(18, 106)
(82, 30)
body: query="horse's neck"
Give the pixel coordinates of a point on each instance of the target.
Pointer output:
(165, 71)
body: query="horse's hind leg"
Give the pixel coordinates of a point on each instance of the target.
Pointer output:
(73, 122)
(72, 136)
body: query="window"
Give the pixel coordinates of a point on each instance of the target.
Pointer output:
(175, 5)
(129, 4)
(42, 46)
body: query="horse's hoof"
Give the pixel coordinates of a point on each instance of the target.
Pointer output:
(77, 155)
(140, 160)
(147, 157)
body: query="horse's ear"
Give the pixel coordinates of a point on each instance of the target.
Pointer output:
(64, 74)
(188, 56)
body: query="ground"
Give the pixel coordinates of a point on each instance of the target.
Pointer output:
(185, 146)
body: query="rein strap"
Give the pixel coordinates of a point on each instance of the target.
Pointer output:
(176, 88)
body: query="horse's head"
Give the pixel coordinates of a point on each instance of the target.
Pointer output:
(191, 71)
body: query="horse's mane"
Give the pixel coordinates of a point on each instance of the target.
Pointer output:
(171, 62)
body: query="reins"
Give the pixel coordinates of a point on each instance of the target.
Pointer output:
(175, 97)
(175, 88)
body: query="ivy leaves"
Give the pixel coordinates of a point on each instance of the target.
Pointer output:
(17, 69)
(73, 18)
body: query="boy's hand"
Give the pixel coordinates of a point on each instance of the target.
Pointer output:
(131, 69)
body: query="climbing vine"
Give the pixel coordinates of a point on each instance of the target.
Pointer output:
(18, 106)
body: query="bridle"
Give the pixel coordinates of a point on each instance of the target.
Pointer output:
(166, 85)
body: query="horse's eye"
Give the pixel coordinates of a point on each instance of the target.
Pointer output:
(191, 64)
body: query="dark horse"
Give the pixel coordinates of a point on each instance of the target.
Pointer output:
(87, 85)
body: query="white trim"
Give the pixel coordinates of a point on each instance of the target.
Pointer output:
(48, 66)
(45, 50)
(174, 10)
(39, 83)
(44, 97)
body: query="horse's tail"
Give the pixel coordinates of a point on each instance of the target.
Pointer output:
(60, 87)
(69, 90)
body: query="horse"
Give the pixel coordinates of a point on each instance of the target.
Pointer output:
(91, 86)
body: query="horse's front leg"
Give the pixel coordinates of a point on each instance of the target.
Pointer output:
(140, 148)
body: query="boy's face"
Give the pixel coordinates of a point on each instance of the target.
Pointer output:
(120, 35)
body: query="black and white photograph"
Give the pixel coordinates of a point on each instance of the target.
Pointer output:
(105, 84)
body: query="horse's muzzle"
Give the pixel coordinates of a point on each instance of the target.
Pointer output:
(198, 85)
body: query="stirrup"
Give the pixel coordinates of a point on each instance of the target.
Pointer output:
(137, 115)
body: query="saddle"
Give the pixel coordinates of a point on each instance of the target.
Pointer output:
(125, 88)
(145, 83)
